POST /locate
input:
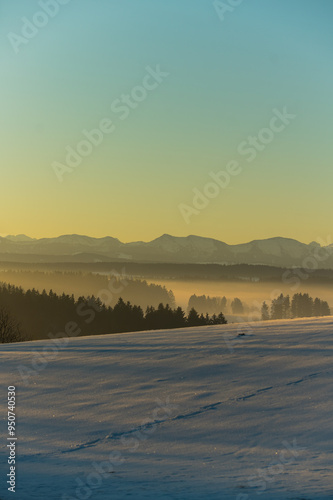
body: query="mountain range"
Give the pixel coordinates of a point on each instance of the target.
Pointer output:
(282, 252)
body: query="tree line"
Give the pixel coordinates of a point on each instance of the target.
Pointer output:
(214, 304)
(301, 305)
(31, 315)
(108, 287)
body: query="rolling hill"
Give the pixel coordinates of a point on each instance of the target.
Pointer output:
(183, 414)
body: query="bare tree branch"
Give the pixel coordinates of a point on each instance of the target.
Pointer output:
(9, 329)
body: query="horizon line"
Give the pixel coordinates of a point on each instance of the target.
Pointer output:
(2, 235)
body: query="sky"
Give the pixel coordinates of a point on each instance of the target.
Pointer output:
(137, 118)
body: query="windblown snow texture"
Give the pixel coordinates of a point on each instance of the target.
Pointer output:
(185, 414)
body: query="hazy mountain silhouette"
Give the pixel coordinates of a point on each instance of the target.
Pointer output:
(284, 252)
(19, 237)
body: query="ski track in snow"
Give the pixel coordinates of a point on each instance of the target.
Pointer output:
(200, 411)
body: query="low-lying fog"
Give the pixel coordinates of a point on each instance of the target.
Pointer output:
(250, 293)
(139, 292)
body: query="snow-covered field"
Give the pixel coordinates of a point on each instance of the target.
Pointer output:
(184, 414)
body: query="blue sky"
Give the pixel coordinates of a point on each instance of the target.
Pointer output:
(224, 80)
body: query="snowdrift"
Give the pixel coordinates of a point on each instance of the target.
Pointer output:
(222, 412)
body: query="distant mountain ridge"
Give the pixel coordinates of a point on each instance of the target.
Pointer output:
(282, 252)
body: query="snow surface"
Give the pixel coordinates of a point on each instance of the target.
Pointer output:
(233, 407)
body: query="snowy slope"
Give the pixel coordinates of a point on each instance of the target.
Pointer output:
(231, 414)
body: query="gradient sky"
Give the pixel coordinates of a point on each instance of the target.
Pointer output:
(225, 79)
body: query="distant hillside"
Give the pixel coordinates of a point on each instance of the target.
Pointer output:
(282, 252)
(16, 273)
